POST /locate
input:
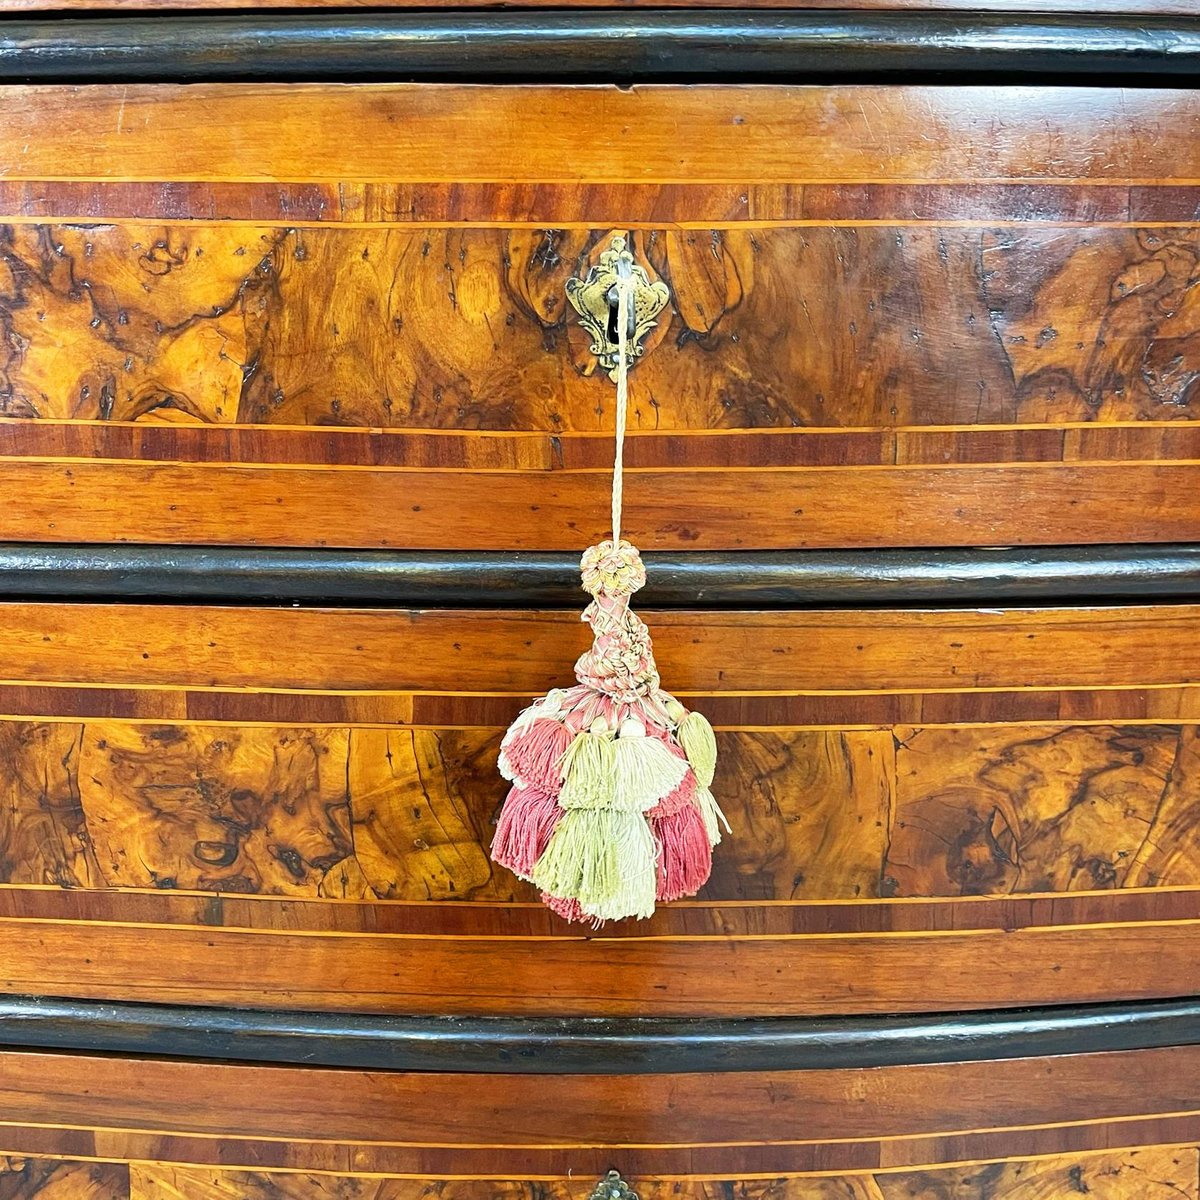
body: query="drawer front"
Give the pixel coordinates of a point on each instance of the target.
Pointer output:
(931, 810)
(319, 315)
(1041, 1127)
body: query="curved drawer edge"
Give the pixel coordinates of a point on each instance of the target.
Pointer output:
(599, 1046)
(763, 579)
(741, 44)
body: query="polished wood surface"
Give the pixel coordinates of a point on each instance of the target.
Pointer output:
(283, 706)
(287, 831)
(1141, 1173)
(930, 302)
(326, 316)
(469, 329)
(407, 815)
(518, 654)
(212, 504)
(700, 1129)
(424, 134)
(24, 1178)
(563, 206)
(1152, 1173)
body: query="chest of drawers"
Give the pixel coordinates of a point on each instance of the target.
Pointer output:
(299, 443)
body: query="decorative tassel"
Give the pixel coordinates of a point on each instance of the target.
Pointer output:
(612, 809)
(686, 858)
(569, 910)
(672, 802)
(533, 757)
(645, 770)
(588, 770)
(605, 859)
(712, 815)
(523, 831)
(700, 745)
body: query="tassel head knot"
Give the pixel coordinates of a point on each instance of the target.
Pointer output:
(612, 570)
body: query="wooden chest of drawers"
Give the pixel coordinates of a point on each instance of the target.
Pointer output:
(298, 439)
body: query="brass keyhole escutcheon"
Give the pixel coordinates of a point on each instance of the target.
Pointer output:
(594, 298)
(613, 1187)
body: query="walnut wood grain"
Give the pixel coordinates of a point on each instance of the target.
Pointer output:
(407, 814)
(47, 1179)
(1150, 1173)
(469, 329)
(1019, 811)
(414, 133)
(798, 709)
(676, 205)
(808, 916)
(675, 976)
(388, 1166)
(168, 436)
(545, 1113)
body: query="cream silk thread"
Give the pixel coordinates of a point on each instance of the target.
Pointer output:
(625, 290)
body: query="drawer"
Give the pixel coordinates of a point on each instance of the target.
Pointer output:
(1044, 1127)
(931, 810)
(327, 315)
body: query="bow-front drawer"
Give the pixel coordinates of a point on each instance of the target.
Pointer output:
(313, 315)
(291, 808)
(1109, 1124)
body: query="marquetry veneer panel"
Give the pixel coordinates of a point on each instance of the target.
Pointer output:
(406, 814)
(930, 809)
(850, 323)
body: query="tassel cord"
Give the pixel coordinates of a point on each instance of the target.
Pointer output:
(625, 287)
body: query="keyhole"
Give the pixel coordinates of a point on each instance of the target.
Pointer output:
(611, 332)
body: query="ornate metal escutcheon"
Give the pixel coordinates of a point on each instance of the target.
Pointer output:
(595, 300)
(613, 1187)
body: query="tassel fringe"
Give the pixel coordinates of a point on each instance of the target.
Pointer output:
(686, 859)
(523, 831)
(700, 745)
(588, 770)
(645, 772)
(533, 757)
(712, 816)
(605, 859)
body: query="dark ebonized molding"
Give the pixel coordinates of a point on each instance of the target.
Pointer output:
(588, 1046)
(740, 45)
(738, 580)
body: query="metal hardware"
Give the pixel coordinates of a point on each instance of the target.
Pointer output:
(594, 298)
(613, 1187)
